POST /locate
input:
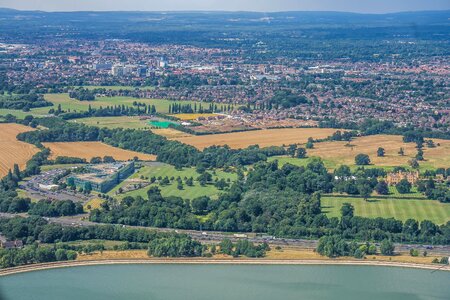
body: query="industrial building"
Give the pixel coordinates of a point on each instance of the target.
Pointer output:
(101, 177)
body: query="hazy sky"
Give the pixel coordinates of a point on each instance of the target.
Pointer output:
(372, 6)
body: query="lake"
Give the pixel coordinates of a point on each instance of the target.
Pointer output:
(217, 282)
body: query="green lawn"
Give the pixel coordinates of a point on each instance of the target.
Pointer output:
(162, 106)
(21, 114)
(115, 122)
(401, 207)
(188, 192)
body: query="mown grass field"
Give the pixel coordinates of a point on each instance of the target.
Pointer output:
(115, 122)
(162, 106)
(188, 192)
(401, 207)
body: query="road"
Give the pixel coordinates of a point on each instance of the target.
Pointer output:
(216, 236)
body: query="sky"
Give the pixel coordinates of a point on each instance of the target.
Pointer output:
(362, 6)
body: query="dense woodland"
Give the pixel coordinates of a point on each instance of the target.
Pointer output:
(34, 229)
(281, 201)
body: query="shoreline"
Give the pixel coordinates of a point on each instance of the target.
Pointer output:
(200, 261)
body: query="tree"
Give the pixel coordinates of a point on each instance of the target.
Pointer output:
(301, 153)
(382, 188)
(291, 150)
(419, 155)
(364, 189)
(347, 210)
(362, 159)
(387, 247)
(16, 172)
(108, 159)
(403, 187)
(180, 185)
(380, 152)
(414, 163)
(96, 160)
(310, 143)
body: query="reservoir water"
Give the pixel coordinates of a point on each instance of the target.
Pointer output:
(220, 282)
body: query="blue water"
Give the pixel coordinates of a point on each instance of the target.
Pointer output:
(219, 282)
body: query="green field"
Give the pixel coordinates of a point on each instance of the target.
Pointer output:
(21, 114)
(115, 122)
(162, 106)
(188, 192)
(395, 205)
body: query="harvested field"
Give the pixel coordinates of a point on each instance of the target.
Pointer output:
(263, 138)
(13, 151)
(89, 150)
(171, 133)
(341, 153)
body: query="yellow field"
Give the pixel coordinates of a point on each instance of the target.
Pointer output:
(13, 151)
(88, 150)
(93, 204)
(285, 253)
(189, 117)
(263, 138)
(171, 133)
(341, 153)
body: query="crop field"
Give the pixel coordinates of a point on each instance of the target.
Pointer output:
(263, 138)
(401, 207)
(115, 122)
(163, 170)
(341, 153)
(13, 151)
(171, 133)
(89, 150)
(162, 106)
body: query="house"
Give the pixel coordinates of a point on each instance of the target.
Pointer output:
(395, 178)
(11, 244)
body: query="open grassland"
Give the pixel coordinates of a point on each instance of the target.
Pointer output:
(163, 170)
(93, 204)
(437, 157)
(88, 150)
(115, 122)
(13, 151)
(335, 154)
(189, 117)
(19, 113)
(67, 103)
(285, 253)
(263, 138)
(401, 207)
(338, 153)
